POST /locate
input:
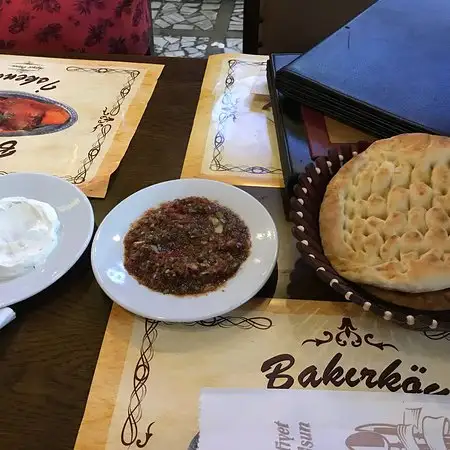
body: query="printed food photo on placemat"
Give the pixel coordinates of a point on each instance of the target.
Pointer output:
(27, 115)
(70, 118)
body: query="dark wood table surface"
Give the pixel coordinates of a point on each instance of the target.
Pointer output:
(48, 354)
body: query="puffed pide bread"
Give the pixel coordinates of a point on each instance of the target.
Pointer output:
(384, 219)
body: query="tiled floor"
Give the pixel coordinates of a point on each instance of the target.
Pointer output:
(237, 17)
(197, 28)
(189, 46)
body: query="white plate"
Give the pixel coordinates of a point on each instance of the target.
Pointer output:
(107, 253)
(77, 224)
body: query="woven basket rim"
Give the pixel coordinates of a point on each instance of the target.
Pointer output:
(312, 183)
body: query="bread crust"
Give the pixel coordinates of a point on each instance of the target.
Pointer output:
(384, 219)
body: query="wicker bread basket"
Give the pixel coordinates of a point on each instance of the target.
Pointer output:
(305, 207)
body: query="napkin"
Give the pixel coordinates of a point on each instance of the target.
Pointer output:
(321, 420)
(259, 86)
(6, 316)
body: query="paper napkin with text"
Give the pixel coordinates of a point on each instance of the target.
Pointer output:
(244, 419)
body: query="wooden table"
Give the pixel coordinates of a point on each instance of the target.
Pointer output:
(48, 354)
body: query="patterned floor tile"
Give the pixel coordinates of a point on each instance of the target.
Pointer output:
(234, 44)
(207, 22)
(188, 46)
(185, 15)
(237, 17)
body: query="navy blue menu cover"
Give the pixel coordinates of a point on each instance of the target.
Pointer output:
(386, 72)
(291, 134)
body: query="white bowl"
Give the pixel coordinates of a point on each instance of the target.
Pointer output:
(77, 225)
(107, 253)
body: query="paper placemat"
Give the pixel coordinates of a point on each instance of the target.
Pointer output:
(70, 118)
(233, 139)
(325, 133)
(149, 375)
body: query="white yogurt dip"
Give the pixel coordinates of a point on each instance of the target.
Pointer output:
(28, 234)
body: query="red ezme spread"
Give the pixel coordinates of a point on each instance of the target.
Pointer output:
(187, 246)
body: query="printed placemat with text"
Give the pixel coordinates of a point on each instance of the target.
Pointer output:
(70, 118)
(146, 387)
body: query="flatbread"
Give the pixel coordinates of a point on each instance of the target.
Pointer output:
(384, 219)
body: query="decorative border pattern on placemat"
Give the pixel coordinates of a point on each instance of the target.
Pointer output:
(103, 121)
(108, 132)
(142, 362)
(229, 111)
(141, 373)
(106, 117)
(226, 99)
(437, 335)
(142, 370)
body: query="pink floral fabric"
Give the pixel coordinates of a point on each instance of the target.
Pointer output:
(82, 26)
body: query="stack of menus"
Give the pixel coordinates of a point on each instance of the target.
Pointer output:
(385, 72)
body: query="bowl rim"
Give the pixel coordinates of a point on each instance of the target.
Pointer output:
(231, 305)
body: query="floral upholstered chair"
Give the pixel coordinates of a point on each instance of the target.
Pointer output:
(81, 26)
